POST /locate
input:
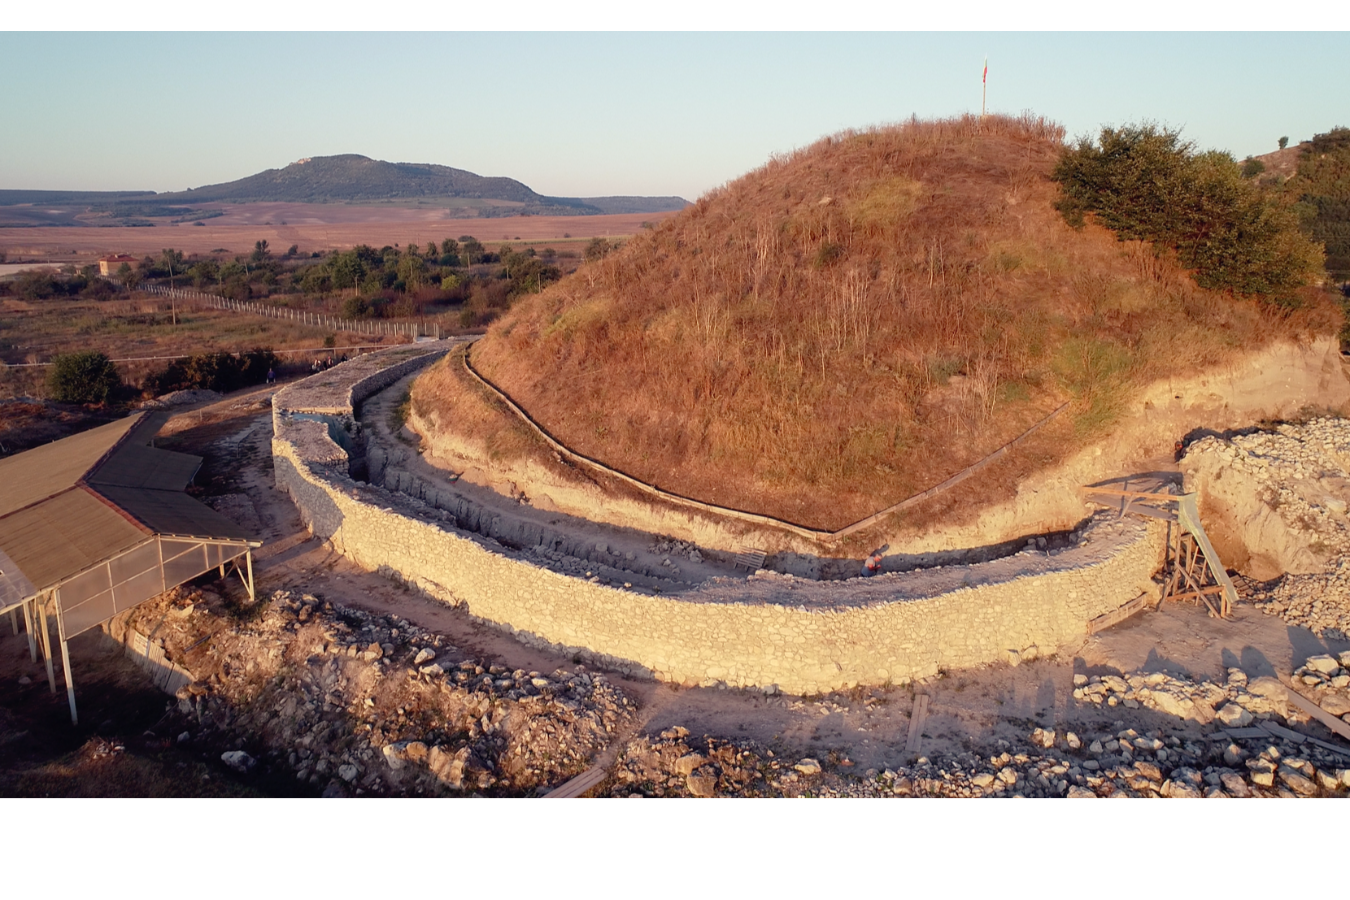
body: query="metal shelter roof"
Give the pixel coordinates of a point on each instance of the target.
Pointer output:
(79, 501)
(97, 523)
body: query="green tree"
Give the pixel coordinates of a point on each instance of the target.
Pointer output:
(471, 251)
(204, 272)
(412, 271)
(172, 261)
(1284, 142)
(1145, 183)
(598, 248)
(84, 377)
(1322, 186)
(260, 253)
(128, 276)
(1251, 167)
(347, 270)
(37, 285)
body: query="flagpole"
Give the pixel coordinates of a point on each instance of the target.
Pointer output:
(984, 87)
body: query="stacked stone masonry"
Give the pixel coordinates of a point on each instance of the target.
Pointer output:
(767, 631)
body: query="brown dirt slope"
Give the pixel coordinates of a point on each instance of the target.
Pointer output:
(856, 321)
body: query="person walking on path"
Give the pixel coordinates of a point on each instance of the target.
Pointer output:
(271, 376)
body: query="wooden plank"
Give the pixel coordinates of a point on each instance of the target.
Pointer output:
(1243, 734)
(751, 559)
(1116, 616)
(1319, 714)
(1195, 595)
(1281, 731)
(1139, 495)
(577, 786)
(1152, 512)
(916, 720)
(1343, 751)
(1188, 514)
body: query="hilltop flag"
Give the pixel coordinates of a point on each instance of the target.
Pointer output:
(984, 79)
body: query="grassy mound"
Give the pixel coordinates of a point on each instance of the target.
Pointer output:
(856, 321)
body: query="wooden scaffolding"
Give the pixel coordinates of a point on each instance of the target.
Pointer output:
(1192, 570)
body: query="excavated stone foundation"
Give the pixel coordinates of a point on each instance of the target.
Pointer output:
(767, 631)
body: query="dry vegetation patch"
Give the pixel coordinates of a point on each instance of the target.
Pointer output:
(854, 322)
(151, 330)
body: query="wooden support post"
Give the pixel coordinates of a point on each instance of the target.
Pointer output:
(248, 559)
(28, 627)
(65, 665)
(46, 639)
(14, 620)
(916, 722)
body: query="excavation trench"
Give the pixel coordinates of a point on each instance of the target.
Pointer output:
(693, 619)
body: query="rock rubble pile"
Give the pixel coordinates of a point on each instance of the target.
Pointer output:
(1284, 494)
(1202, 701)
(1053, 764)
(353, 702)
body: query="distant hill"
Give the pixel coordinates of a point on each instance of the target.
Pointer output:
(612, 206)
(68, 198)
(352, 178)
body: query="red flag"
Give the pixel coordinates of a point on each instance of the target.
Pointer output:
(984, 79)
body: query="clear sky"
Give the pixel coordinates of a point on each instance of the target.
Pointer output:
(589, 114)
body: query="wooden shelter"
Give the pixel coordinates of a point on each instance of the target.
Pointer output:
(97, 523)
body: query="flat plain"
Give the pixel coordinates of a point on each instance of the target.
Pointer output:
(311, 226)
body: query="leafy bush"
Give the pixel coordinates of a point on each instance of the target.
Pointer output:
(222, 372)
(1251, 167)
(1145, 183)
(84, 377)
(1323, 189)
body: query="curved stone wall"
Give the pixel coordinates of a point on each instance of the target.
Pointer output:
(767, 631)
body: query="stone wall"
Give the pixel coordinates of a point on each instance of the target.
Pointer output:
(767, 631)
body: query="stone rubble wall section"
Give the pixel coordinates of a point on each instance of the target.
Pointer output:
(338, 391)
(712, 637)
(1280, 497)
(1279, 502)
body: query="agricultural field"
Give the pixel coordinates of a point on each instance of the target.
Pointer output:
(311, 226)
(143, 334)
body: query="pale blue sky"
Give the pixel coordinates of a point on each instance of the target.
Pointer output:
(587, 114)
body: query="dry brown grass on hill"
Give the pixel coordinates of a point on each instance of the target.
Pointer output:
(856, 321)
